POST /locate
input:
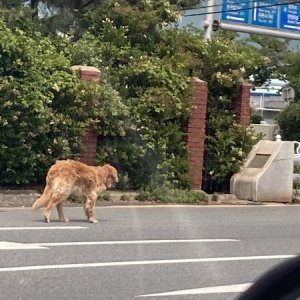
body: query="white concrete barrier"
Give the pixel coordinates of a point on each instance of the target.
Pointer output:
(267, 175)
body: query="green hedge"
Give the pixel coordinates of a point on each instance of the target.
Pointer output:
(44, 107)
(289, 122)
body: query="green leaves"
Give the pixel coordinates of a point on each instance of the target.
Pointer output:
(142, 104)
(289, 122)
(44, 107)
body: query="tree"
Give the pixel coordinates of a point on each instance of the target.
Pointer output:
(68, 16)
(9, 4)
(289, 122)
(292, 70)
(44, 107)
(151, 67)
(275, 50)
(150, 63)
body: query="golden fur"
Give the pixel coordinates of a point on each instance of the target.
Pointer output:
(70, 177)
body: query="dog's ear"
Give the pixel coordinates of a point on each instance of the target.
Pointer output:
(110, 173)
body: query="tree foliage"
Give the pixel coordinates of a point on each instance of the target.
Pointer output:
(141, 108)
(292, 70)
(44, 107)
(289, 122)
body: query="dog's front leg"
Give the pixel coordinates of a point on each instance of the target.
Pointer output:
(89, 207)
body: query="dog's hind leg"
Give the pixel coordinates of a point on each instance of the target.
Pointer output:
(54, 201)
(60, 211)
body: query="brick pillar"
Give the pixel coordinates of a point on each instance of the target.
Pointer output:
(196, 132)
(89, 139)
(88, 73)
(242, 105)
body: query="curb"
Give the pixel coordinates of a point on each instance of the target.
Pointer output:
(25, 198)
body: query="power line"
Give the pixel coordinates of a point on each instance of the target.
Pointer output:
(240, 9)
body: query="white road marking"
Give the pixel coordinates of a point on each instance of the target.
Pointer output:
(235, 288)
(42, 228)
(134, 242)
(143, 262)
(19, 246)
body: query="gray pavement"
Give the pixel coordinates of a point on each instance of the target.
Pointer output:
(143, 252)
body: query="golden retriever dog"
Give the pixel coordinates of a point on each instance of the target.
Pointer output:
(70, 177)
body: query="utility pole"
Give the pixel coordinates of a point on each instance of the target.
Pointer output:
(209, 20)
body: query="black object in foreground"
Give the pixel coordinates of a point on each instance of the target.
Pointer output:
(280, 283)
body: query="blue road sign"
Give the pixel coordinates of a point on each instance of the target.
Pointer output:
(235, 11)
(290, 17)
(265, 13)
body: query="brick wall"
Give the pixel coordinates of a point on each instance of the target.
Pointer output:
(196, 132)
(242, 105)
(89, 139)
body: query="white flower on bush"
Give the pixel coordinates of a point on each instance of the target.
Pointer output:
(56, 87)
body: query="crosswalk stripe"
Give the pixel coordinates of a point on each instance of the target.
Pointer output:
(134, 242)
(42, 228)
(19, 246)
(144, 262)
(235, 288)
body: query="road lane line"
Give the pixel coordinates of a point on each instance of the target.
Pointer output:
(143, 262)
(19, 246)
(134, 242)
(235, 288)
(42, 228)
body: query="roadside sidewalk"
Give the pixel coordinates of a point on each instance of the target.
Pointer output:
(25, 198)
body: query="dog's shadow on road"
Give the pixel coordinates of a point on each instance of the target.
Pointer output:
(72, 222)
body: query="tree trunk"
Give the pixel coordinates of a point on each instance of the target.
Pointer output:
(34, 8)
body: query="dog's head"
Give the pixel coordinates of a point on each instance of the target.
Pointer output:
(110, 176)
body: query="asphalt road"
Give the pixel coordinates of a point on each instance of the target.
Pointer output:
(191, 252)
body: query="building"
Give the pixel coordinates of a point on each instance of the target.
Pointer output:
(270, 99)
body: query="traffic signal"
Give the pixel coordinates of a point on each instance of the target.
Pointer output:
(215, 25)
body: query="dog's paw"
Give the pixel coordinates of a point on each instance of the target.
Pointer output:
(47, 220)
(64, 220)
(93, 221)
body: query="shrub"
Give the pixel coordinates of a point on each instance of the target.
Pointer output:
(289, 122)
(226, 147)
(44, 107)
(256, 119)
(158, 101)
(166, 193)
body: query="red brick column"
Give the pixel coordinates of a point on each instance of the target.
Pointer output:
(89, 139)
(196, 132)
(242, 105)
(88, 73)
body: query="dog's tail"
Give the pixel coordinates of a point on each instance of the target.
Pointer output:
(44, 199)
